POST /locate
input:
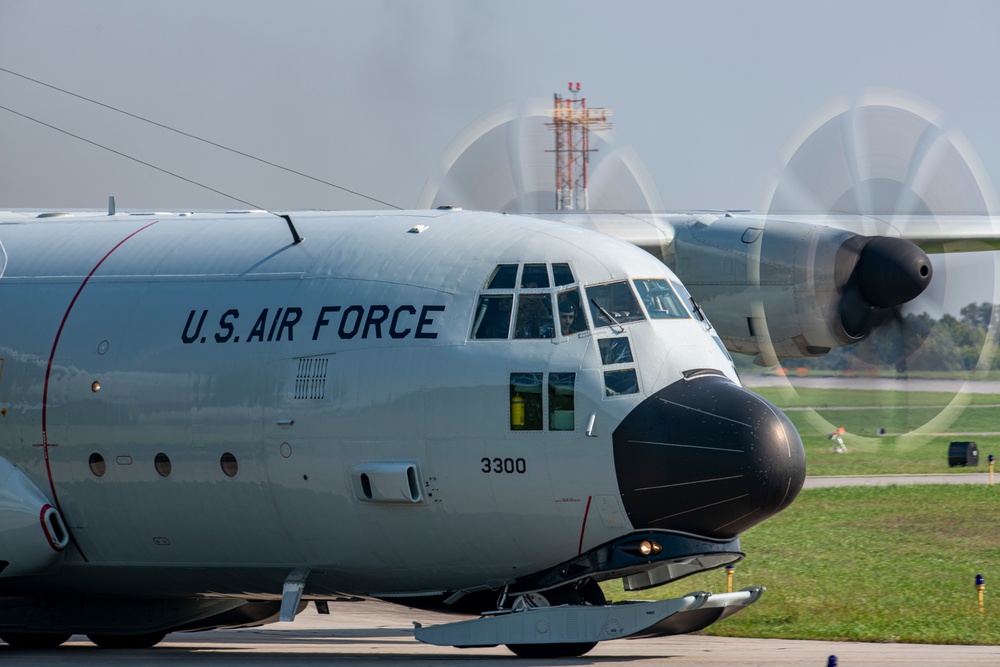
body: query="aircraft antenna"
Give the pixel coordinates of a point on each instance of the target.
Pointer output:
(573, 122)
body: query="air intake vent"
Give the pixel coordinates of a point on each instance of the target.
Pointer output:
(310, 379)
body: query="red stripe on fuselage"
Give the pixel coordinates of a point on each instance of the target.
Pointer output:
(48, 371)
(583, 528)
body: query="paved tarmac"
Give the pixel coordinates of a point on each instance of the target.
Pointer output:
(375, 633)
(883, 384)
(891, 480)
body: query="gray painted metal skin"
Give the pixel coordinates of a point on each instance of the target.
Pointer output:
(200, 339)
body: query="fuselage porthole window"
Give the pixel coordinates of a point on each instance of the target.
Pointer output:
(97, 465)
(229, 465)
(162, 465)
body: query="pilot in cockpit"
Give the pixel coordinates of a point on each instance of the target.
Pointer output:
(567, 315)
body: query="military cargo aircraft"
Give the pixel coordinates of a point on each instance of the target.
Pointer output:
(208, 420)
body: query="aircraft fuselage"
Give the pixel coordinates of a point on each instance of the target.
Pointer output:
(210, 406)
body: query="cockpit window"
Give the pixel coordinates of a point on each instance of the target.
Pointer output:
(620, 382)
(571, 317)
(561, 411)
(492, 317)
(660, 301)
(562, 275)
(613, 303)
(615, 351)
(534, 275)
(689, 301)
(534, 317)
(526, 401)
(503, 277)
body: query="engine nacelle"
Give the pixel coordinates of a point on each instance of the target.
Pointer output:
(776, 288)
(32, 532)
(779, 289)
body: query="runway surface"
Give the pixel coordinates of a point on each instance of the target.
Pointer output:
(890, 480)
(882, 384)
(374, 633)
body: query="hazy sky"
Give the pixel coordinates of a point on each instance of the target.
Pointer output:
(369, 95)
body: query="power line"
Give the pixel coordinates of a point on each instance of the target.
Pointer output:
(182, 133)
(134, 159)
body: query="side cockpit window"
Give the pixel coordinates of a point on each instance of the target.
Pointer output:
(529, 404)
(571, 317)
(526, 401)
(561, 409)
(493, 317)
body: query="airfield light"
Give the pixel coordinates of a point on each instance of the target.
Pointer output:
(992, 461)
(980, 590)
(730, 570)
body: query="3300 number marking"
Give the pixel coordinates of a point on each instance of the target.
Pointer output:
(508, 466)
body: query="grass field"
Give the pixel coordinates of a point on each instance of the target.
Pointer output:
(910, 445)
(882, 564)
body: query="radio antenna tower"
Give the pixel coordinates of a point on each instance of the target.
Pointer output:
(573, 122)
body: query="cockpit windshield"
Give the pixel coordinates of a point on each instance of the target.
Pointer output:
(613, 304)
(538, 300)
(660, 301)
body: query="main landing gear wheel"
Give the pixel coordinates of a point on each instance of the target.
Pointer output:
(29, 640)
(588, 593)
(148, 640)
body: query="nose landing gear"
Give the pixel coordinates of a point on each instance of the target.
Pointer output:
(589, 593)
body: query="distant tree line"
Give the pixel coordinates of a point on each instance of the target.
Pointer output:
(917, 343)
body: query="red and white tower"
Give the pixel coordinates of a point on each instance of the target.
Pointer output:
(573, 122)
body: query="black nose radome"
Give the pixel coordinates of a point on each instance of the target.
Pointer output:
(707, 457)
